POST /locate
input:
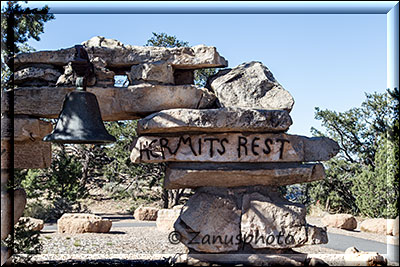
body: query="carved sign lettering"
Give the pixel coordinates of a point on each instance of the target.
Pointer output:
(219, 148)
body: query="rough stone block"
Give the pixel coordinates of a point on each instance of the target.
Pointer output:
(375, 225)
(145, 213)
(343, 221)
(160, 72)
(76, 223)
(37, 74)
(217, 220)
(250, 85)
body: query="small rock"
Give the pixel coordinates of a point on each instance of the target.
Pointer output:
(31, 75)
(317, 262)
(159, 72)
(76, 223)
(68, 78)
(250, 85)
(104, 76)
(100, 41)
(354, 257)
(343, 221)
(146, 213)
(376, 225)
(32, 223)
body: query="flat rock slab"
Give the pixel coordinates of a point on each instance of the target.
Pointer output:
(118, 55)
(233, 147)
(250, 85)
(215, 120)
(128, 103)
(187, 175)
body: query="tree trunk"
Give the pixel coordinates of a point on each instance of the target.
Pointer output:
(164, 198)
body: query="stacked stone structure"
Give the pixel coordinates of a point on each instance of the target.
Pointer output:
(228, 141)
(235, 156)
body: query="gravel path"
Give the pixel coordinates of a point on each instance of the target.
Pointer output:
(121, 240)
(138, 245)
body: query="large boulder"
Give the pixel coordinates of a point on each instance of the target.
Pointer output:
(250, 85)
(145, 213)
(274, 222)
(76, 223)
(343, 221)
(216, 220)
(207, 215)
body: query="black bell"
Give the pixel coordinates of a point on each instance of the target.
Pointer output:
(80, 121)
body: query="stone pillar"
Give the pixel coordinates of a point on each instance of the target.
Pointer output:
(235, 159)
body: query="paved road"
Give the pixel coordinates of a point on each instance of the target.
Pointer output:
(342, 242)
(53, 227)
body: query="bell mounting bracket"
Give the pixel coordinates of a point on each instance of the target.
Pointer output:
(82, 67)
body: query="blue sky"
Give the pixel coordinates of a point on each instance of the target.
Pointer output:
(325, 61)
